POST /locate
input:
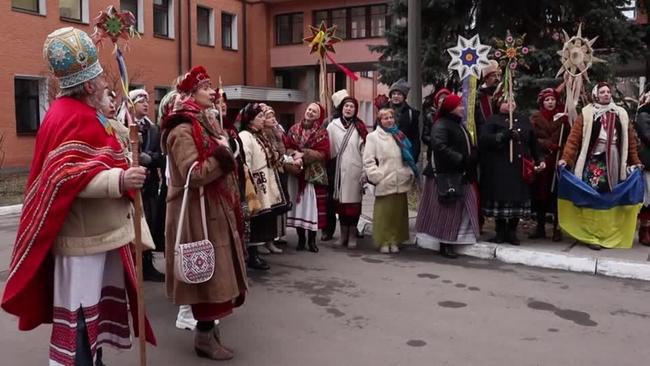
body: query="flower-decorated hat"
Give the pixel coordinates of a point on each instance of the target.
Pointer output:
(72, 57)
(193, 80)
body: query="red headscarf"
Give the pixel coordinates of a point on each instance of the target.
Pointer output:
(541, 97)
(316, 138)
(358, 123)
(449, 104)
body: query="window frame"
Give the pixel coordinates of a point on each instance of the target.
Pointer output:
(41, 7)
(139, 15)
(234, 34)
(291, 28)
(158, 8)
(348, 20)
(41, 99)
(210, 24)
(83, 13)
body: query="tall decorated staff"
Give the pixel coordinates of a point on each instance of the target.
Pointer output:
(576, 57)
(120, 25)
(468, 57)
(322, 43)
(511, 53)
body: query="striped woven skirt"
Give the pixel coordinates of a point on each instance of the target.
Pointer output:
(89, 297)
(309, 210)
(455, 223)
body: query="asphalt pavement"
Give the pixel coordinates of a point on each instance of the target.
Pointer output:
(344, 307)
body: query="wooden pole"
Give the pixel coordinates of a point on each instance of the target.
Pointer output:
(323, 85)
(221, 98)
(137, 217)
(557, 158)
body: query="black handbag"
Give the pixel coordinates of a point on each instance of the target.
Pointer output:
(450, 187)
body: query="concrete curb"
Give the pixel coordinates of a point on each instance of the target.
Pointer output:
(11, 210)
(538, 258)
(479, 250)
(623, 269)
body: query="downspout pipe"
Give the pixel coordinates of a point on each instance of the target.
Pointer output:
(245, 40)
(189, 33)
(179, 38)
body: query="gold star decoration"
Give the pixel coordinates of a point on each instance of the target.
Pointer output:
(322, 39)
(577, 55)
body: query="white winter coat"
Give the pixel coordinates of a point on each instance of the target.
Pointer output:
(351, 161)
(384, 166)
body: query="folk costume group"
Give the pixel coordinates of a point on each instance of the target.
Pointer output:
(237, 184)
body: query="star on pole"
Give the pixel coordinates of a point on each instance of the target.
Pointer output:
(322, 39)
(468, 57)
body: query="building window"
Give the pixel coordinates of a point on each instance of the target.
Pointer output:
(72, 9)
(356, 22)
(289, 28)
(229, 31)
(340, 81)
(159, 92)
(34, 6)
(161, 18)
(366, 74)
(205, 25)
(30, 99)
(378, 20)
(339, 18)
(135, 7)
(286, 79)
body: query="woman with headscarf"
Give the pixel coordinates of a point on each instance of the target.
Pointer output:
(389, 165)
(347, 135)
(274, 133)
(601, 149)
(308, 146)
(191, 134)
(453, 220)
(505, 190)
(262, 159)
(547, 123)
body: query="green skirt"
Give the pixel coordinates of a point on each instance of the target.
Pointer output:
(390, 221)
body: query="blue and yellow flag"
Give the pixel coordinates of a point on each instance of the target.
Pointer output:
(608, 219)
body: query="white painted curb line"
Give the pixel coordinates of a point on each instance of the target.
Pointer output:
(478, 250)
(11, 210)
(623, 269)
(543, 259)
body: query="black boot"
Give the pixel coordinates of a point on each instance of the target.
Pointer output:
(540, 231)
(512, 232)
(255, 261)
(98, 357)
(447, 251)
(149, 272)
(302, 240)
(311, 242)
(500, 232)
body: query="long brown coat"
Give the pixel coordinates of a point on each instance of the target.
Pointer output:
(229, 280)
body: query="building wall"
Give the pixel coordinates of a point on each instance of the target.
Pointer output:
(152, 61)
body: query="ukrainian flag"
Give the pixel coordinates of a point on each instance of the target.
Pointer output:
(608, 219)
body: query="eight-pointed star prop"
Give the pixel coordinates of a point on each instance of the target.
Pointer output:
(322, 39)
(468, 57)
(114, 25)
(577, 55)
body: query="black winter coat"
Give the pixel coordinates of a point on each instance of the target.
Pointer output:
(452, 149)
(642, 127)
(502, 180)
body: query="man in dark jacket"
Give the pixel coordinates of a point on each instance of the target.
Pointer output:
(406, 118)
(153, 160)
